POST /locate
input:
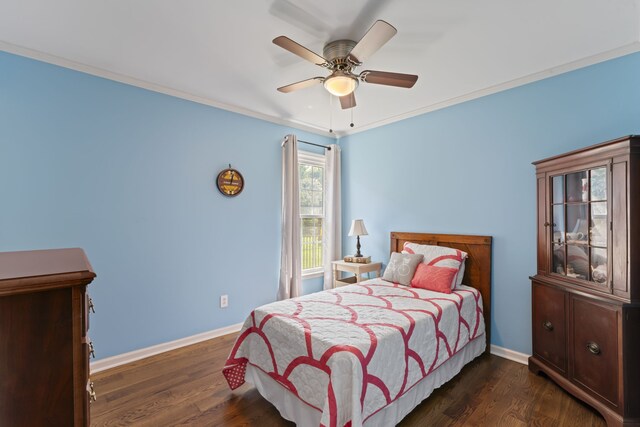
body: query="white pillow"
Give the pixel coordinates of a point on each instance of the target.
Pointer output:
(440, 256)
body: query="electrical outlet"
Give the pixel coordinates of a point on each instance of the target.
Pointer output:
(224, 301)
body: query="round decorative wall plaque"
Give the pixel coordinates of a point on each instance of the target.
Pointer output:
(230, 182)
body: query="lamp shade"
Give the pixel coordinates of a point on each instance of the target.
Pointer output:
(358, 228)
(340, 84)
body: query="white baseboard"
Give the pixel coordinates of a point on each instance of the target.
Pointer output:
(132, 356)
(516, 356)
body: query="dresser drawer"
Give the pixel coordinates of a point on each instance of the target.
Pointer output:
(594, 346)
(549, 325)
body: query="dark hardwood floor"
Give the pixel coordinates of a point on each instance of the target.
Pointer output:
(186, 387)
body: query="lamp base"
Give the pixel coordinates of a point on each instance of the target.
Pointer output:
(358, 254)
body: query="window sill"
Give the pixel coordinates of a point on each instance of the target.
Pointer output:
(312, 275)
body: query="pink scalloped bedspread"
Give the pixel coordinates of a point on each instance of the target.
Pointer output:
(351, 351)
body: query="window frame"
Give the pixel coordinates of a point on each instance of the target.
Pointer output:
(314, 159)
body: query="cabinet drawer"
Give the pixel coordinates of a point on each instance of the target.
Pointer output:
(594, 346)
(549, 325)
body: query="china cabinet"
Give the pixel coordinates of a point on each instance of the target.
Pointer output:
(586, 293)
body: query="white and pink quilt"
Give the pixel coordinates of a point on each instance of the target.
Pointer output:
(351, 351)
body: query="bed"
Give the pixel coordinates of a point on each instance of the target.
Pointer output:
(369, 353)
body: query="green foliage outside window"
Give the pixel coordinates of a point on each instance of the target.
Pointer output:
(311, 213)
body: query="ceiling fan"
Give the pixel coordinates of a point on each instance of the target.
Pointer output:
(341, 57)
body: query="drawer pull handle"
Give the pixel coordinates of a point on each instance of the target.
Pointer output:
(91, 307)
(593, 348)
(547, 325)
(92, 352)
(92, 393)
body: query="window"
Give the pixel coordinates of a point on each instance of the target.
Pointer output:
(311, 174)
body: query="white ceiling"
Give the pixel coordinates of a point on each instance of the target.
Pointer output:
(220, 52)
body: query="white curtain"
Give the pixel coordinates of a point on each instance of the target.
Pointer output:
(332, 214)
(290, 251)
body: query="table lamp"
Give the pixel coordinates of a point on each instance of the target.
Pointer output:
(358, 229)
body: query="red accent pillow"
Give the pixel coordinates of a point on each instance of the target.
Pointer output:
(434, 278)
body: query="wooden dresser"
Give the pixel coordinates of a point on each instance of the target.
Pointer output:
(44, 347)
(586, 293)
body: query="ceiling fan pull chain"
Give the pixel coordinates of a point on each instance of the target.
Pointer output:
(351, 124)
(330, 113)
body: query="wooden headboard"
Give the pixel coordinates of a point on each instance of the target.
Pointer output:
(477, 271)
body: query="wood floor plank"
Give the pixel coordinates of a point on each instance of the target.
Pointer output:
(185, 387)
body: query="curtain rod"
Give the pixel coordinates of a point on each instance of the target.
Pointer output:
(317, 145)
(307, 142)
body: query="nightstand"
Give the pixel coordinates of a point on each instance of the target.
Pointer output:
(357, 269)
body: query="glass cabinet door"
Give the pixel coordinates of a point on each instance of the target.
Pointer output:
(579, 232)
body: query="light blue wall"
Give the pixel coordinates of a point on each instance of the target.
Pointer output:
(467, 169)
(128, 175)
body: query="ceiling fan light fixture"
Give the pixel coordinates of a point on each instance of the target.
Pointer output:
(340, 84)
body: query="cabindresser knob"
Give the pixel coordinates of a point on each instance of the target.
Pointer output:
(593, 348)
(92, 392)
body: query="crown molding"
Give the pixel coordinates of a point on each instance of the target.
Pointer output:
(132, 81)
(99, 72)
(541, 75)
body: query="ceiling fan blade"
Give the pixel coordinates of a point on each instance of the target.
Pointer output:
(348, 101)
(301, 85)
(379, 33)
(388, 79)
(297, 49)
